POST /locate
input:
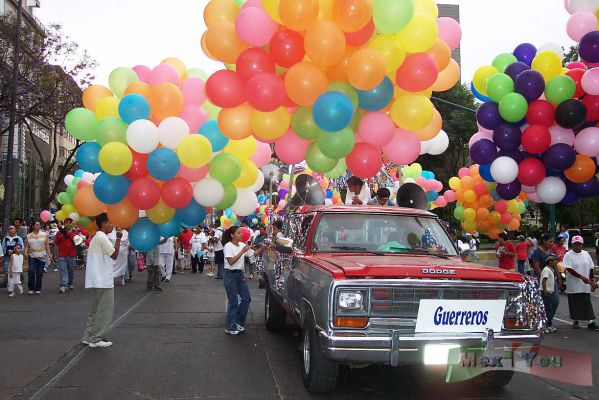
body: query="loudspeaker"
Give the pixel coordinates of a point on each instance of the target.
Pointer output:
(410, 195)
(308, 192)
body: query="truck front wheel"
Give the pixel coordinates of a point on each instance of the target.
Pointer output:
(274, 314)
(318, 373)
(493, 380)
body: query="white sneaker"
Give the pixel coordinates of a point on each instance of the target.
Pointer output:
(11, 294)
(85, 342)
(30, 292)
(231, 332)
(38, 292)
(240, 328)
(101, 343)
(209, 274)
(62, 289)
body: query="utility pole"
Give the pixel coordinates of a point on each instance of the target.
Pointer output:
(10, 161)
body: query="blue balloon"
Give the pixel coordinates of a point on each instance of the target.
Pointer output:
(133, 107)
(229, 213)
(211, 131)
(87, 157)
(144, 235)
(171, 228)
(485, 172)
(428, 175)
(79, 173)
(192, 215)
(111, 189)
(329, 194)
(333, 111)
(163, 164)
(432, 195)
(378, 98)
(478, 95)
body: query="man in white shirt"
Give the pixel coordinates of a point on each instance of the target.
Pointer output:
(167, 259)
(99, 279)
(566, 235)
(580, 282)
(358, 194)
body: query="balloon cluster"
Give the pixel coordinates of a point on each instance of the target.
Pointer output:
(479, 207)
(161, 161)
(538, 127)
(426, 180)
(68, 208)
(335, 83)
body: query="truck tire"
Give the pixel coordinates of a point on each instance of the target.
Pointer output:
(274, 314)
(493, 380)
(318, 372)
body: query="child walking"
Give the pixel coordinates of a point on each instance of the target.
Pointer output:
(15, 269)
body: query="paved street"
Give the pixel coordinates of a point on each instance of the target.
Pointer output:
(171, 345)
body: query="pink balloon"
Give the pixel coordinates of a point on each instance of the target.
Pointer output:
(438, 186)
(290, 148)
(534, 197)
(483, 129)
(590, 81)
(192, 174)
(528, 189)
(450, 196)
(164, 73)
(143, 73)
(262, 155)
(45, 216)
(587, 142)
(450, 32)
(479, 136)
(193, 91)
(561, 135)
(282, 203)
(580, 24)
(429, 186)
(440, 202)
(403, 149)
(195, 116)
(420, 181)
(255, 27)
(284, 184)
(463, 172)
(376, 128)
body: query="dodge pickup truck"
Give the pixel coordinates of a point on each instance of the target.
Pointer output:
(385, 285)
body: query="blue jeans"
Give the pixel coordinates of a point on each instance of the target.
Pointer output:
(219, 259)
(237, 311)
(521, 264)
(66, 267)
(35, 274)
(551, 302)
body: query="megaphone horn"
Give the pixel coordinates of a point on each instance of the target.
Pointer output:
(308, 191)
(410, 195)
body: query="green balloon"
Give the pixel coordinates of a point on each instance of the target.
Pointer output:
(229, 198)
(111, 129)
(63, 198)
(458, 213)
(303, 124)
(339, 170)
(560, 89)
(353, 125)
(336, 144)
(197, 72)
(347, 90)
(502, 61)
(391, 16)
(225, 168)
(83, 221)
(317, 161)
(513, 107)
(499, 86)
(81, 123)
(71, 190)
(211, 109)
(120, 79)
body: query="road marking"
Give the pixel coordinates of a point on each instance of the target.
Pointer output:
(272, 372)
(561, 320)
(44, 389)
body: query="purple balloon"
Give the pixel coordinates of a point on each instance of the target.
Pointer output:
(507, 136)
(559, 157)
(282, 193)
(525, 53)
(483, 152)
(589, 47)
(488, 116)
(509, 191)
(515, 69)
(530, 84)
(589, 188)
(516, 155)
(570, 199)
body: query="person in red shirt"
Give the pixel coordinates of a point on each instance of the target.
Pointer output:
(559, 248)
(522, 252)
(505, 252)
(185, 239)
(65, 254)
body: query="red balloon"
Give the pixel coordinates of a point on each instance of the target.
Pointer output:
(138, 168)
(417, 73)
(531, 171)
(287, 48)
(177, 193)
(364, 161)
(144, 193)
(536, 139)
(245, 234)
(265, 91)
(362, 36)
(253, 61)
(480, 188)
(592, 105)
(576, 64)
(225, 89)
(576, 75)
(540, 112)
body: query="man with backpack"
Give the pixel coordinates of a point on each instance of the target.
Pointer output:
(219, 255)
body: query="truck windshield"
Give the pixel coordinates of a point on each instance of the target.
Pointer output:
(381, 233)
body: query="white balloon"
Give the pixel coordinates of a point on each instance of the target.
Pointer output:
(142, 136)
(439, 144)
(171, 131)
(425, 146)
(75, 217)
(552, 190)
(246, 202)
(88, 177)
(556, 48)
(504, 170)
(574, 6)
(68, 180)
(142, 214)
(259, 182)
(208, 192)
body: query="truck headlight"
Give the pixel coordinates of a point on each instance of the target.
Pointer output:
(351, 300)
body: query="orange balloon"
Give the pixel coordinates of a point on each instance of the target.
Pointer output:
(582, 170)
(467, 183)
(272, 125)
(484, 225)
(304, 82)
(325, 43)
(494, 217)
(474, 172)
(123, 214)
(87, 203)
(298, 15)
(325, 10)
(236, 123)
(460, 196)
(223, 43)
(486, 200)
(140, 88)
(513, 225)
(338, 72)
(205, 48)
(482, 214)
(448, 77)
(93, 94)
(220, 11)
(432, 129)
(441, 53)
(166, 101)
(352, 15)
(366, 69)
(178, 65)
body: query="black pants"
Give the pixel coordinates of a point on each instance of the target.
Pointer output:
(197, 263)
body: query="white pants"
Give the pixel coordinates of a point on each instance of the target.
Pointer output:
(14, 281)
(166, 265)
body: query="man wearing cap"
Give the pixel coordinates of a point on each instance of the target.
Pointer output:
(65, 254)
(580, 282)
(382, 198)
(550, 289)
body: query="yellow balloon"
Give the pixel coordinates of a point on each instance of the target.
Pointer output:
(469, 213)
(420, 34)
(249, 174)
(548, 63)
(115, 158)
(325, 12)
(178, 65)
(469, 197)
(455, 183)
(412, 112)
(161, 213)
(272, 8)
(194, 151)
(426, 7)
(513, 207)
(270, 125)
(244, 148)
(60, 216)
(107, 107)
(67, 209)
(469, 226)
(391, 50)
(482, 76)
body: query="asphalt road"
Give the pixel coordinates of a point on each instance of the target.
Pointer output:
(171, 345)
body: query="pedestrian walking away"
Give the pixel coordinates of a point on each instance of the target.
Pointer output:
(37, 251)
(522, 253)
(65, 252)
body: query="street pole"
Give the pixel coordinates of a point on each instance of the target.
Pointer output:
(552, 221)
(10, 161)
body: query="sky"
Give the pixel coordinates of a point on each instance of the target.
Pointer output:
(130, 32)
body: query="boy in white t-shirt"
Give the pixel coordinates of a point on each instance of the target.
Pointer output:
(15, 268)
(548, 289)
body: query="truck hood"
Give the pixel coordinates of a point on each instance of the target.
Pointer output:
(405, 266)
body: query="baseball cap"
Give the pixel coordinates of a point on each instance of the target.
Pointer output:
(578, 239)
(68, 219)
(550, 256)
